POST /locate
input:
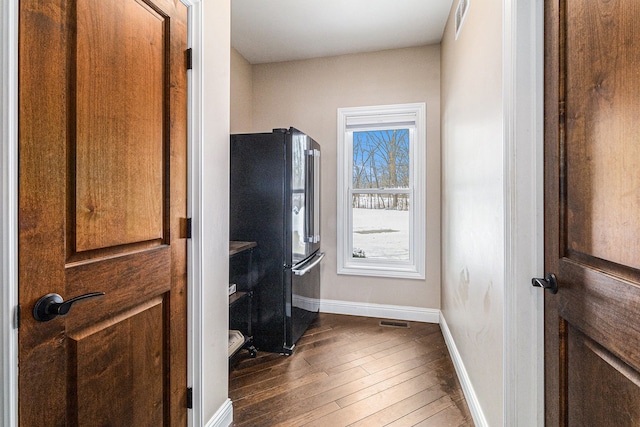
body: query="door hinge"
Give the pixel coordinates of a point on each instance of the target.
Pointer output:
(189, 57)
(185, 229)
(189, 398)
(189, 228)
(16, 320)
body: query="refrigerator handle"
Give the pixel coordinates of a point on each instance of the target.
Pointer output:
(312, 197)
(308, 200)
(309, 266)
(316, 196)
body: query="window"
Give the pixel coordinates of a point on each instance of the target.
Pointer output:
(381, 200)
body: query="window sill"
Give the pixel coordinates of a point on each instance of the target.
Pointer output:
(382, 271)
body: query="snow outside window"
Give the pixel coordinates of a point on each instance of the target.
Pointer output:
(381, 185)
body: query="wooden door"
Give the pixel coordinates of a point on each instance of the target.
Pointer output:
(592, 212)
(102, 103)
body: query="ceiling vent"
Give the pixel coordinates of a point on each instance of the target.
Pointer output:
(461, 13)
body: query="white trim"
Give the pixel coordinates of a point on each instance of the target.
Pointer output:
(9, 211)
(384, 311)
(195, 261)
(467, 387)
(223, 416)
(371, 118)
(523, 379)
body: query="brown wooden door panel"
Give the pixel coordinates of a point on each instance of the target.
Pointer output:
(602, 112)
(119, 123)
(131, 280)
(103, 168)
(592, 206)
(614, 401)
(121, 357)
(603, 307)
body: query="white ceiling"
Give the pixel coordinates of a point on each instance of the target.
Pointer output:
(285, 30)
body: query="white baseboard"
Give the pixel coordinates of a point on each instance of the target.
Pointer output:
(467, 388)
(223, 416)
(398, 312)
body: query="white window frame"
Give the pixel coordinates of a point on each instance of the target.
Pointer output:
(412, 116)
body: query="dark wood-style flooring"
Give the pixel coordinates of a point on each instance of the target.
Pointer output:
(350, 371)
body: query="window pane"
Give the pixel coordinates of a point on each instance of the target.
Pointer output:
(381, 159)
(381, 232)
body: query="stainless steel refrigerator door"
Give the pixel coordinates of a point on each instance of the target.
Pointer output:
(299, 204)
(305, 197)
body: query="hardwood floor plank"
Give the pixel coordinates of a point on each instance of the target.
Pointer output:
(399, 357)
(349, 365)
(292, 402)
(383, 380)
(374, 403)
(350, 370)
(393, 376)
(361, 387)
(270, 370)
(449, 417)
(307, 417)
(362, 346)
(261, 393)
(401, 414)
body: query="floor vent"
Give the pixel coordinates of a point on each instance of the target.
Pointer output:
(393, 324)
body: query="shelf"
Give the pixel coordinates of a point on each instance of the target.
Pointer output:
(235, 247)
(240, 273)
(236, 341)
(236, 296)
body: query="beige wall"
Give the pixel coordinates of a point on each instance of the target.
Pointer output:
(306, 94)
(215, 205)
(242, 90)
(473, 199)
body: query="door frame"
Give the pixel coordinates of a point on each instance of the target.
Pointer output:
(523, 89)
(9, 212)
(195, 211)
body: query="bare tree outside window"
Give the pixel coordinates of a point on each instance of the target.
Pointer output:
(381, 161)
(380, 200)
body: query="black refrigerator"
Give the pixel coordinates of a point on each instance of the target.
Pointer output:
(275, 202)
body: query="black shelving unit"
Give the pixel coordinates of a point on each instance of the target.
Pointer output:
(240, 302)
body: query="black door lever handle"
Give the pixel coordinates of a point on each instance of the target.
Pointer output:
(52, 305)
(549, 283)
